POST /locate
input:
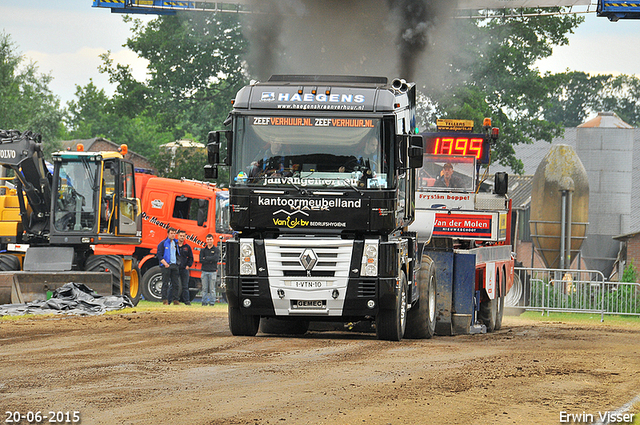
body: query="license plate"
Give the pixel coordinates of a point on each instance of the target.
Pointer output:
(308, 304)
(308, 284)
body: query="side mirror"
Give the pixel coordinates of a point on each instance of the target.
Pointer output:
(213, 147)
(501, 183)
(211, 171)
(228, 135)
(416, 151)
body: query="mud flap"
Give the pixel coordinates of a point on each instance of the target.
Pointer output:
(455, 280)
(464, 279)
(25, 287)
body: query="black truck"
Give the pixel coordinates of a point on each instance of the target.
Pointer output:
(322, 188)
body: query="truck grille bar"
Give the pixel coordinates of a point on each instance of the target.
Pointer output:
(333, 257)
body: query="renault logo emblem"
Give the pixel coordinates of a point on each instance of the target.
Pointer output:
(308, 259)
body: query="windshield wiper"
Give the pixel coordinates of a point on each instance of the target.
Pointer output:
(348, 181)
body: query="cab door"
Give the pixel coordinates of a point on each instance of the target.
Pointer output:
(128, 221)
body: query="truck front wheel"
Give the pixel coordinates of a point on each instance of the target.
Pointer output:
(391, 324)
(421, 319)
(152, 284)
(114, 264)
(242, 324)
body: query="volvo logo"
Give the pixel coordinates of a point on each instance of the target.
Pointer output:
(7, 153)
(308, 259)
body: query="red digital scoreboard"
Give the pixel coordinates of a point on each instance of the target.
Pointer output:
(456, 143)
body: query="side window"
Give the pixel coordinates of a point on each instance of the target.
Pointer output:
(128, 189)
(191, 208)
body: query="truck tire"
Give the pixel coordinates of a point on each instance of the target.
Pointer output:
(152, 284)
(391, 324)
(9, 263)
(488, 313)
(500, 304)
(114, 264)
(421, 319)
(242, 324)
(108, 263)
(271, 325)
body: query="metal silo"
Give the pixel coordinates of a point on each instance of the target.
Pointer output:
(559, 206)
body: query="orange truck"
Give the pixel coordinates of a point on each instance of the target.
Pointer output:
(197, 207)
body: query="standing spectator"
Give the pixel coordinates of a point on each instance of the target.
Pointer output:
(168, 256)
(209, 257)
(185, 261)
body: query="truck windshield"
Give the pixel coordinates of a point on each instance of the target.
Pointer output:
(447, 173)
(74, 208)
(309, 151)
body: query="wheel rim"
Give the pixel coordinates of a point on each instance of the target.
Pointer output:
(403, 305)
(515, 292)
(432, 301)
(134, 284)
(155, 286)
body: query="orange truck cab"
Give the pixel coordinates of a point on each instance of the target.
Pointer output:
(197, 207)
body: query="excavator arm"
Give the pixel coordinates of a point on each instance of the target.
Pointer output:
(22, 153)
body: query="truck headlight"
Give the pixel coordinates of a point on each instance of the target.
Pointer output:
(370, 258)
(247, 258)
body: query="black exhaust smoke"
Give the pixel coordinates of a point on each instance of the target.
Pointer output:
(367, 37)
(416, 20)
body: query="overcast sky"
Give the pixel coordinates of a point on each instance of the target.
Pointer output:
(65, 38)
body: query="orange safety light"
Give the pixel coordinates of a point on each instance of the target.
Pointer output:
(487, 122)
(80, 147)
(123, 149)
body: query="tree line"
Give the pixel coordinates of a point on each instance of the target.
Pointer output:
(197, 64)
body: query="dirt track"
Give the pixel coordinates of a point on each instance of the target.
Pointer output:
(184, 367)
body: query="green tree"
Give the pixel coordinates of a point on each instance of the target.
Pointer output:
(578, 95)
(195, 69)
(492, 74)
(26, 102)
(630, 273)
(94, 114)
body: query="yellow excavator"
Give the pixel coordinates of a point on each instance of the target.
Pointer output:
(59, 216)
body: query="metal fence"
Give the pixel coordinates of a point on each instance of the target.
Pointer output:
(578, 291)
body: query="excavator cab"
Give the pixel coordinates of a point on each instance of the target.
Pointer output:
(94, 199)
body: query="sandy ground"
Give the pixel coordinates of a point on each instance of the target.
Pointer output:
(182, 366)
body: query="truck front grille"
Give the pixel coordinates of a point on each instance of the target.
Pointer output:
(333, 257)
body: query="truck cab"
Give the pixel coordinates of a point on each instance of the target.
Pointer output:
(197, 207)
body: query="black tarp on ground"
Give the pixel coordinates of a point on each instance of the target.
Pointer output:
(71, 298)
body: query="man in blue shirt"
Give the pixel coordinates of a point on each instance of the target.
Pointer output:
(168, 257)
